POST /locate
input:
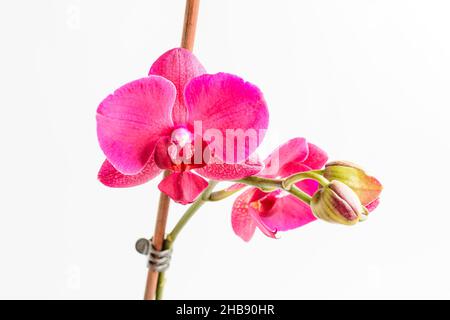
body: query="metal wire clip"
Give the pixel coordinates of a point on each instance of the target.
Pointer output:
(158, 261)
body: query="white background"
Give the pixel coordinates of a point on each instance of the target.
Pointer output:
(368, 81)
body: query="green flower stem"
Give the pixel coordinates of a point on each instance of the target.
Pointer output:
(171, 237)
(291, 180)
(265, 184)
(306, 198)
(223, 194)
(191, 210)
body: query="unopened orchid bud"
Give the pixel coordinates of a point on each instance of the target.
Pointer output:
(367, 188)
(338, 203)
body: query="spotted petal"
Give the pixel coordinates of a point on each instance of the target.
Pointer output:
(110, 177)
(241, 220)
(217, 170)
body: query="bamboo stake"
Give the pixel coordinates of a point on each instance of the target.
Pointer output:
(190, 24)
(158, 241)
(187, 42)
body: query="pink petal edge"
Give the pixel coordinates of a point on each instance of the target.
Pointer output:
(110, 177)
(224, 101)
(242, 222)
(373, 205)
(317, 157)
(260, 223)
(288, 213)
(130, 122)
(293, 151)
(183, 187)
(225, 171)
(179, 66)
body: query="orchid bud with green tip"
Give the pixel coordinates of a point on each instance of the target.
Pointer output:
(337, 203)
(366, 187)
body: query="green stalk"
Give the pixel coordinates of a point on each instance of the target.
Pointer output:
(171, 237)
(265, 184)
(306, 198)
(291, 180)
(223, 194)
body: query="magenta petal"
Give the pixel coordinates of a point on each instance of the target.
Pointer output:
(183, 187)
(308, 186)
(373, 205)
(293, 152)
(291, 168)
(223, 101)
(242, 222)
(317, 158)
(110, 177)
(179, 66)
(225, 171)
(287, 213)
(260, 223)
(130, 122)
(162, 158)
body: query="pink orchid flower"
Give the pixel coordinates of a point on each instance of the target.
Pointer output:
(147, 125)
(278, 210)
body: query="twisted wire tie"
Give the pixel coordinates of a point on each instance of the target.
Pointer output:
(158, 261)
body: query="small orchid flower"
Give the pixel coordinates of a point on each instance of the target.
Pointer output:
(278, 211)
(148, 125)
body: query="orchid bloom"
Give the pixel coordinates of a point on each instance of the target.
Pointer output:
(278, 210)
(145, 126)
